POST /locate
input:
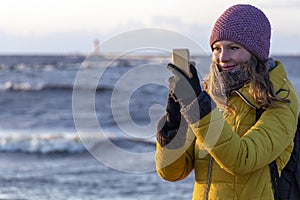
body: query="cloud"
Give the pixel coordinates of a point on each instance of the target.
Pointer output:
(53, 43)
(282, 4)
(66, 26)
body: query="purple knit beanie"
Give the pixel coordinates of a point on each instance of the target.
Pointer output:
(247, 26)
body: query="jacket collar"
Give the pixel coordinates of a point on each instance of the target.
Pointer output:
(278, 78)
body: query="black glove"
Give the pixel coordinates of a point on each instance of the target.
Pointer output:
(171, 129)
(173, 114)
(182, 88)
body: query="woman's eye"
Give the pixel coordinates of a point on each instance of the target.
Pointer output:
(216, 48)
(234, 48)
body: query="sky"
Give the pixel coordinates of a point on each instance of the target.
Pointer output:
(71, 26)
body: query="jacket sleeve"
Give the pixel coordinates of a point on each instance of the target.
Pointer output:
(174, 152)
(260, 145)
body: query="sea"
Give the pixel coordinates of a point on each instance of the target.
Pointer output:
(83, 127)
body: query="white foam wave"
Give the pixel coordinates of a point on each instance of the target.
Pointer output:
(67, 142)
(22, 86)
(26, 87)
(44, 144)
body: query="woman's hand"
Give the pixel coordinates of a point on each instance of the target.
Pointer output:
(182, 88)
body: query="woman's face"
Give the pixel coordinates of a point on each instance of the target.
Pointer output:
(229, 55)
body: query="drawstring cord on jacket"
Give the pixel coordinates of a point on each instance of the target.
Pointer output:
(208, 183)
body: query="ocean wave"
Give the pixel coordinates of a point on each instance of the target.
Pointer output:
(67, 143)
(38, 62)
(27, 87)
(66, 65)
(41, 144)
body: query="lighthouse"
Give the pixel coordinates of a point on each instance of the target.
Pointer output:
(96, 51)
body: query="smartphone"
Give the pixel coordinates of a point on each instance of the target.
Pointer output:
(181, 59)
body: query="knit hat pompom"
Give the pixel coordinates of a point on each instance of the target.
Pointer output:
(247, 26)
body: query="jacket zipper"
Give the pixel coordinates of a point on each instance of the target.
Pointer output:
(245, 100)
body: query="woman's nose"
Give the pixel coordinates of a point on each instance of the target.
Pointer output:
(224, 56)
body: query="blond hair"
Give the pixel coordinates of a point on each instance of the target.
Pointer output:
(258, 80)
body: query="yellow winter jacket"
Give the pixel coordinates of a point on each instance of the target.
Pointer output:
(241, 148)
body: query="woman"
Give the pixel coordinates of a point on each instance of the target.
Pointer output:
(215, 132)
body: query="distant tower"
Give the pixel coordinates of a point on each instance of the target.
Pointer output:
(96, 48)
